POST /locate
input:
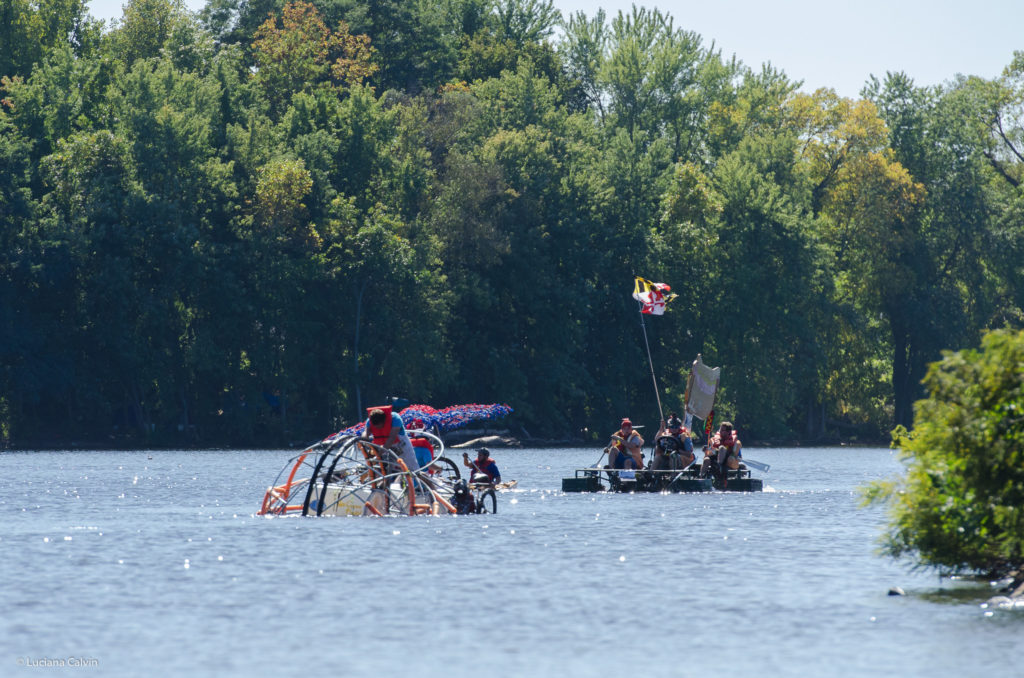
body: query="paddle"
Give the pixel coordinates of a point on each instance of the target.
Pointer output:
(692, 461)
(597, 464)
(756, 464)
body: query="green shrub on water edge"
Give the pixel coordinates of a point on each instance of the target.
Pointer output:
(960, 506)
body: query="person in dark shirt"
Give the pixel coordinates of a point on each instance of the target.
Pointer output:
(483, 464)
(672, 438)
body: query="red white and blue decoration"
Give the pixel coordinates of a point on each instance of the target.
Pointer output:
(448, 419)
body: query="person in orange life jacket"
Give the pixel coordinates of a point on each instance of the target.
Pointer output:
(723, 452)
(420, 444)
(672, 436)
(483, 465)
(386, 429)
(625, 450)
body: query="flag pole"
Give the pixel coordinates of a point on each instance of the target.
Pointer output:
(661, 414)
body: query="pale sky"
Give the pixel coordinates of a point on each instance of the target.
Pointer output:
(830, 43)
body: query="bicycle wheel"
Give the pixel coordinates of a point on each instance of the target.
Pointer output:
(446, 470)
(487, 502)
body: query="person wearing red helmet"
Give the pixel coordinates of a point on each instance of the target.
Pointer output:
(625, 450)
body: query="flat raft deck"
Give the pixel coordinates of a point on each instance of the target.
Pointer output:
(688, 480)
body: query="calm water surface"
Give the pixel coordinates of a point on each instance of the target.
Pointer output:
(136, 563)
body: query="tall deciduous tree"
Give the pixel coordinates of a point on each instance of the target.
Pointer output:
(301, 54)
(28, 30)
(868, 207)
(950, 285)
(146, 26)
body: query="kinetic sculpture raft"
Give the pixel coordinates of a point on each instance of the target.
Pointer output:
(345, 474)
(701, 389)
(688, 480)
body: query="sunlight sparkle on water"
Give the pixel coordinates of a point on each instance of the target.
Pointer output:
(786, 564)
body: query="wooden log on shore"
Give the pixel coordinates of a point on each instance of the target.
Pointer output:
(489, 441)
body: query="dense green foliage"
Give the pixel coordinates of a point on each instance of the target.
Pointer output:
(960, 506)
(242, 227)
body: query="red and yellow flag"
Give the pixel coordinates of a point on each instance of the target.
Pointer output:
(653, 296)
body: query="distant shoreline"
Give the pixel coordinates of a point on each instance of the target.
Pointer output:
(496, 442)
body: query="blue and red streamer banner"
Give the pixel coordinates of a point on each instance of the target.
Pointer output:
(448, 419)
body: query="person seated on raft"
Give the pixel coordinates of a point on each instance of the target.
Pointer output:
(625, 450)
(483, 465)
(421, 444)
(385, 428)
(723, 452)
(672, 437)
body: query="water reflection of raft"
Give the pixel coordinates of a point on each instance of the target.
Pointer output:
(689, 480)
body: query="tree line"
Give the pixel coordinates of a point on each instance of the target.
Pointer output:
(243, 226)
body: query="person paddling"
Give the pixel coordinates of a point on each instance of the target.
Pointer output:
(625, 449)
(482, 465)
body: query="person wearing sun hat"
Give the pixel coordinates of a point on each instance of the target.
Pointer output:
(624, 452)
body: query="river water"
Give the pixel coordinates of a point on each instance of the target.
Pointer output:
(153, 563)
